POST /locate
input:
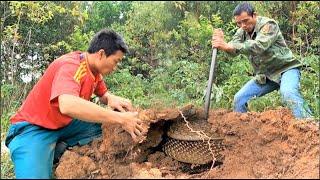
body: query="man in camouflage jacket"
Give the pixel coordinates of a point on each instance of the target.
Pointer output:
(274, 65)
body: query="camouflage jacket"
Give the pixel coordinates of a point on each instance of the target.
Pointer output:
(267, 50)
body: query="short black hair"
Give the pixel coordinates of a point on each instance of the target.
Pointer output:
(243, 7)
(109, 41)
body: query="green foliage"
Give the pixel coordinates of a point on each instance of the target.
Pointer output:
(35, 33)
(183, 80)
(170, 45)
(310, 85)
(269, 101)
(102, 14)
(299, 22)
(124, 84)
(7, 169)
(11, 96)
(192, 39)
(307, 23)
(79, 40)
(231, 75)
(146, 34)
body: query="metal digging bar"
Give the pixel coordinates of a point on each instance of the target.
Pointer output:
(209, 87)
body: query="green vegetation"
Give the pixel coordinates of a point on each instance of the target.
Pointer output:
(170, 50)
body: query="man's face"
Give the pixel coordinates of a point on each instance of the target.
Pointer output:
(246, 22)
(109, 64)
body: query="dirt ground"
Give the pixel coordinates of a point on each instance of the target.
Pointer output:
(271, 144)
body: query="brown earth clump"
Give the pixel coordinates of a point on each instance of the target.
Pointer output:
(271, 144)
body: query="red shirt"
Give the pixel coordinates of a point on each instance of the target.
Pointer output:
(69, 74)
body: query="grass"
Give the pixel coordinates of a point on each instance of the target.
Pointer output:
(7, 171)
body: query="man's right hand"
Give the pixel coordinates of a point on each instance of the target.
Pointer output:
(79, 108)
(219, 42)
(132, 124)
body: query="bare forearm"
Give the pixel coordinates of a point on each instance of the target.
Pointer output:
(85, 110)
(104, 98)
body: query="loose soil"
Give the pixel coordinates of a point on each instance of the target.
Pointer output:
(271, 144)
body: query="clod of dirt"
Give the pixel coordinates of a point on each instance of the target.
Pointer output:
(271, 144)
(80, 168)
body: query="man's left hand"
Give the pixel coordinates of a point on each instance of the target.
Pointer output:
(118, 103)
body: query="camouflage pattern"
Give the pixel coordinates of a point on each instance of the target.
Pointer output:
(267, 50)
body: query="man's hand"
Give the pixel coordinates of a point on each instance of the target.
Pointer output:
(79, 108)
(118, 103)
(219, 42)
(132, 125)
(129, 120)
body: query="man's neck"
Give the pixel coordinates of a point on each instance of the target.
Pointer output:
(250, 33)
(91, 64)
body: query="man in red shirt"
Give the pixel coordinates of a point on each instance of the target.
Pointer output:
(57, 112)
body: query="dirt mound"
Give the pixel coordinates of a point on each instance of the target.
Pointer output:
(271, 144)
